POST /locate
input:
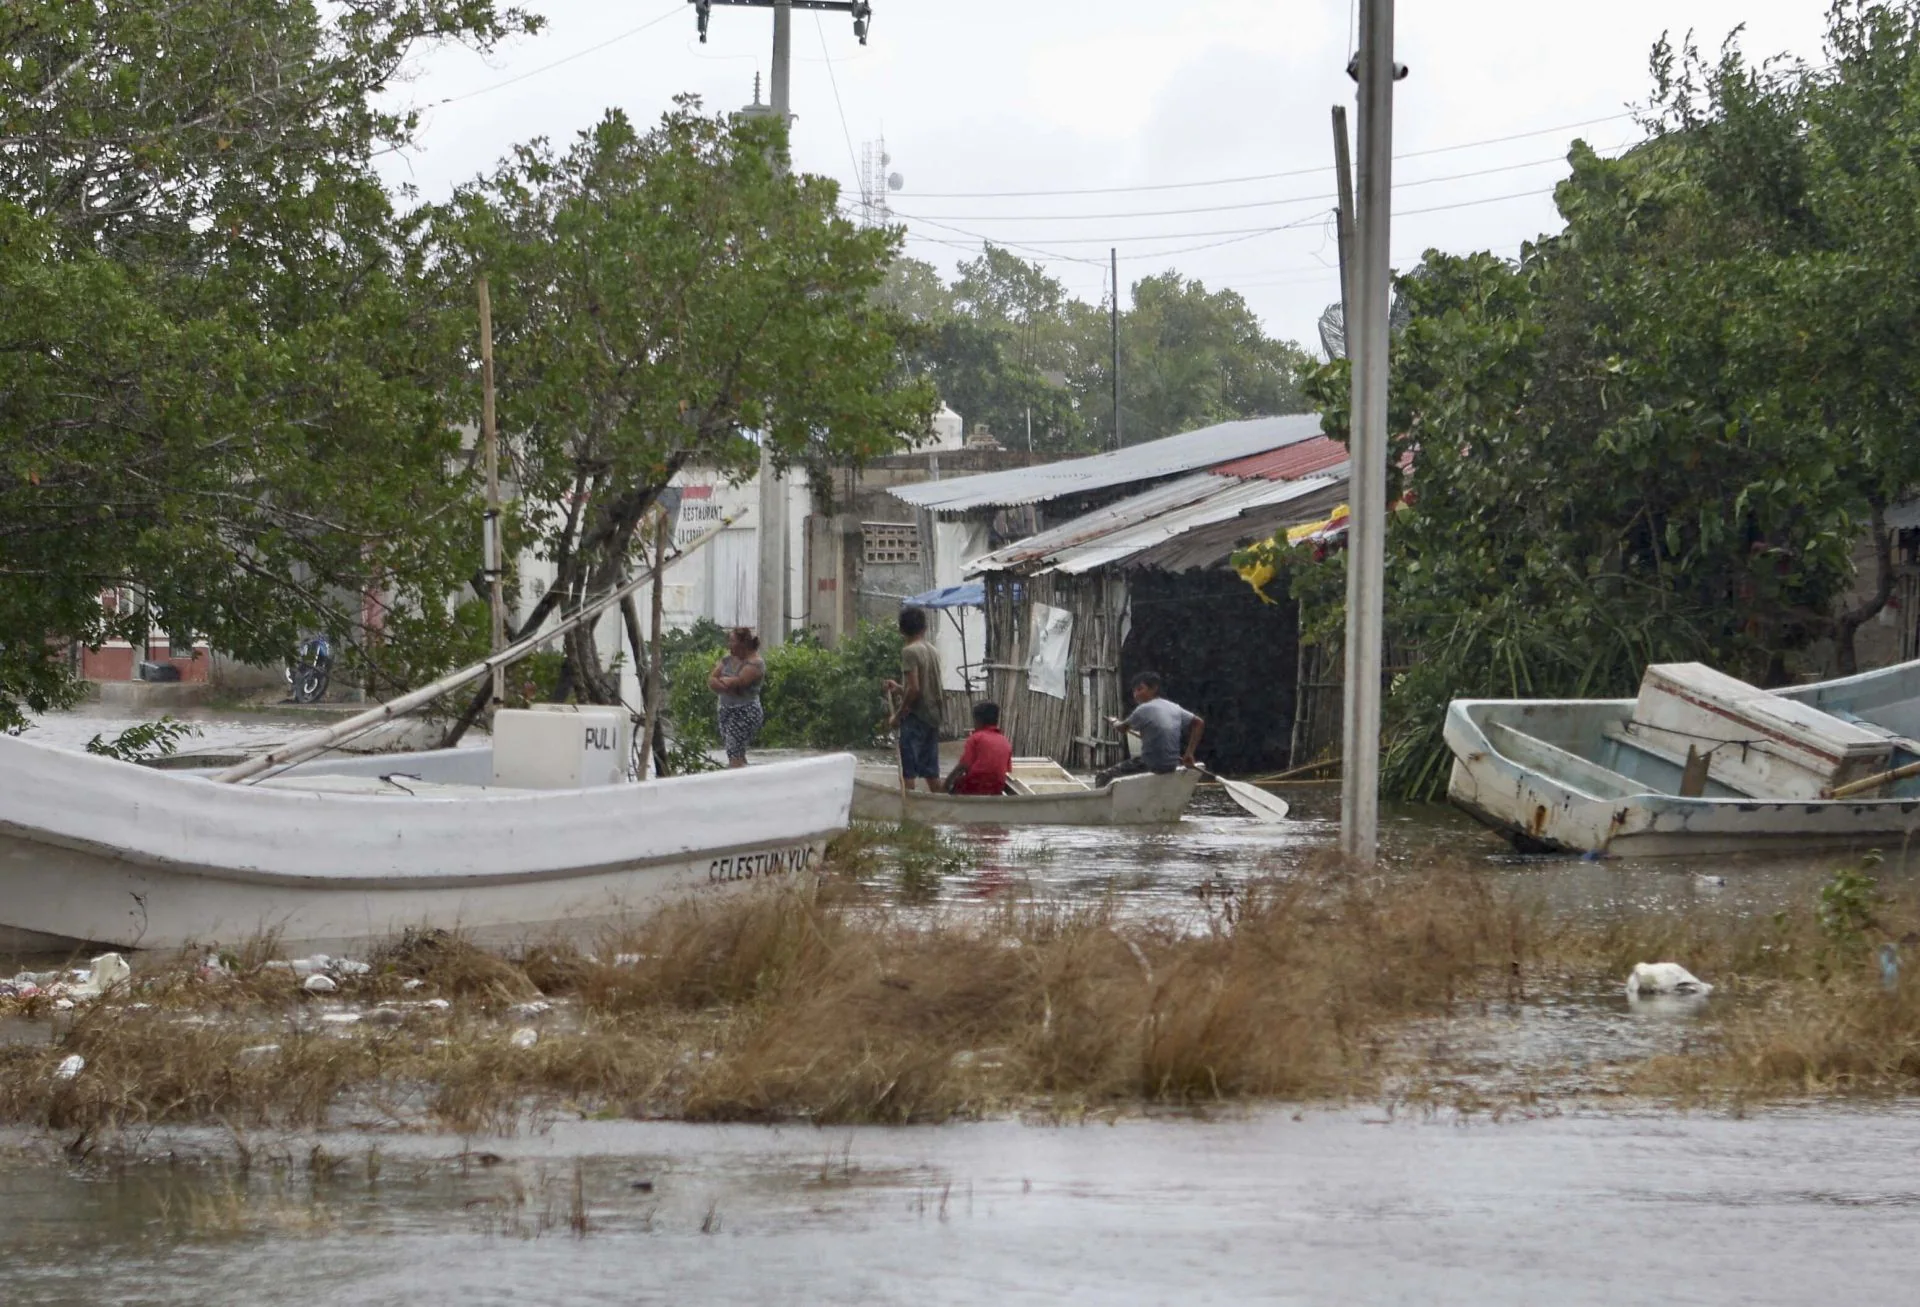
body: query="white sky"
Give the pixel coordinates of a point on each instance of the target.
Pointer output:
(1048, 95)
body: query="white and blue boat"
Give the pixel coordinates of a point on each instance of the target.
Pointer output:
(1698, 763)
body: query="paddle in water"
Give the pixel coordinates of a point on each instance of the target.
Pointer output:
(1255, 801)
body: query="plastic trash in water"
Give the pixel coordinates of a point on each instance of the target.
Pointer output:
(108, 970)
(319, 984)
(70, 1066)
(525, 1037)
(1664, 978)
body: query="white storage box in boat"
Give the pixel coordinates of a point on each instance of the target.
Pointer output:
(560, 747)
(1758, 743)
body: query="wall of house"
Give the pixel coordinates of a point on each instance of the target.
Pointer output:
(1072, 729)
(1223, 654)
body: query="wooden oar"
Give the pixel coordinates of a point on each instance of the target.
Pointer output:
(1254, 801)
(1868, 783)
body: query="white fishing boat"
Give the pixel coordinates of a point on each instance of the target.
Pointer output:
(341, 850)
(1043, 794)
(1698, 763)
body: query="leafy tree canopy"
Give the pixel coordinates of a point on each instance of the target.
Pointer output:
(216, 381)
(1008, 347)
(663, 299)
(1659, 434)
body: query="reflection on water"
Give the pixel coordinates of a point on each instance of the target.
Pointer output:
(1177, 869)
(1334, 1207)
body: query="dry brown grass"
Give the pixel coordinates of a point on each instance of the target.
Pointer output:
(825, 1004)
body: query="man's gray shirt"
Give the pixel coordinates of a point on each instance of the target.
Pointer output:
(1162, 725)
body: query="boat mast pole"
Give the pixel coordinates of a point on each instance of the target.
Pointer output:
(306, 746)
(1366, 551)
(490, 434)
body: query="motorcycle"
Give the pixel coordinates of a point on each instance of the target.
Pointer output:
(310, 668)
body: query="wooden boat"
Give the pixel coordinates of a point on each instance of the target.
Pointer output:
(345, 850)
(1045, 794)
(1698, 763)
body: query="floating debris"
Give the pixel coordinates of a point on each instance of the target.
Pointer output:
(525, 1037)
(70, 1066)
(1664, 978)
(319, 984)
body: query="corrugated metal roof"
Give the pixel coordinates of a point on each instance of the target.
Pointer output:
(1213, 544)
(1145, 462)
(1290, 462)
(1145, 521)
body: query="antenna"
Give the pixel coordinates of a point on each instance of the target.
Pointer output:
(876, 184)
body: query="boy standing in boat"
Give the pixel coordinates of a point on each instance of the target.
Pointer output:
(1161, 725)
(988, 758)
(916, 697)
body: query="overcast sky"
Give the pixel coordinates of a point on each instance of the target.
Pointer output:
(979, 96)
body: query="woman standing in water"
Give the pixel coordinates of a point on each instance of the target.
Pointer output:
(736, 679)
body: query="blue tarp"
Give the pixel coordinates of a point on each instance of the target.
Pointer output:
(973, 594)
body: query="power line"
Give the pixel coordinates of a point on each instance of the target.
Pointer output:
(1228, 231)
(845, 131)
(1258, 177)
(578, 54)
(1228, 208)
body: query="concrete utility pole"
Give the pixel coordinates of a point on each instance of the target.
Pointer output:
(1115, 324)
(1343, 224)
(772, 538)
(490, 539)
(1367, 534)
(771, 602)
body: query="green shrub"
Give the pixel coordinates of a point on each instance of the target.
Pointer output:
(815, 697)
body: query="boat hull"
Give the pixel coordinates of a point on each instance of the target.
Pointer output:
(106, 853)
(1545, 802)
(1129, 801)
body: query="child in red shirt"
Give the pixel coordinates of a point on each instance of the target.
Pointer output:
(987, 759)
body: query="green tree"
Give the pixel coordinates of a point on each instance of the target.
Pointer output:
(1659, 434)
(1189, 357)
(659, 298)
(217, 380)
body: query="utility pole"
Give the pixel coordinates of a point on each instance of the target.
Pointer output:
(1366, 537)
(490, 537)
(1114, 251)
(771, 602)
(1343, 224)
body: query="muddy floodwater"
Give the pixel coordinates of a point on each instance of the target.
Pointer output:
(1587, 1199)
(1323, 1207)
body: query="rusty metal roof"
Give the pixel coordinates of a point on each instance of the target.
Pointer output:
(1151, 461)
(1290, 462)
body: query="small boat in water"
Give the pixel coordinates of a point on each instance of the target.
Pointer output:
(343, 850)
(1044, 794)
(1698, 763)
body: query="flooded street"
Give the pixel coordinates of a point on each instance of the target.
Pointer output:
(1569, 1193)
(1328, 1207)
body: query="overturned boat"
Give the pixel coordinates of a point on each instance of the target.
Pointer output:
(1699, 762)
(1041, 793)
(340, 850)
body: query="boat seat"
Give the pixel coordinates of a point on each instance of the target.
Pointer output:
(1562, 765)
(1042, 776)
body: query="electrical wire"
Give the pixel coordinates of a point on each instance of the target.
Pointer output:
(1228, 208)
(845, 131)
(578, 54)
(1227, 231)
(1259, 177)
